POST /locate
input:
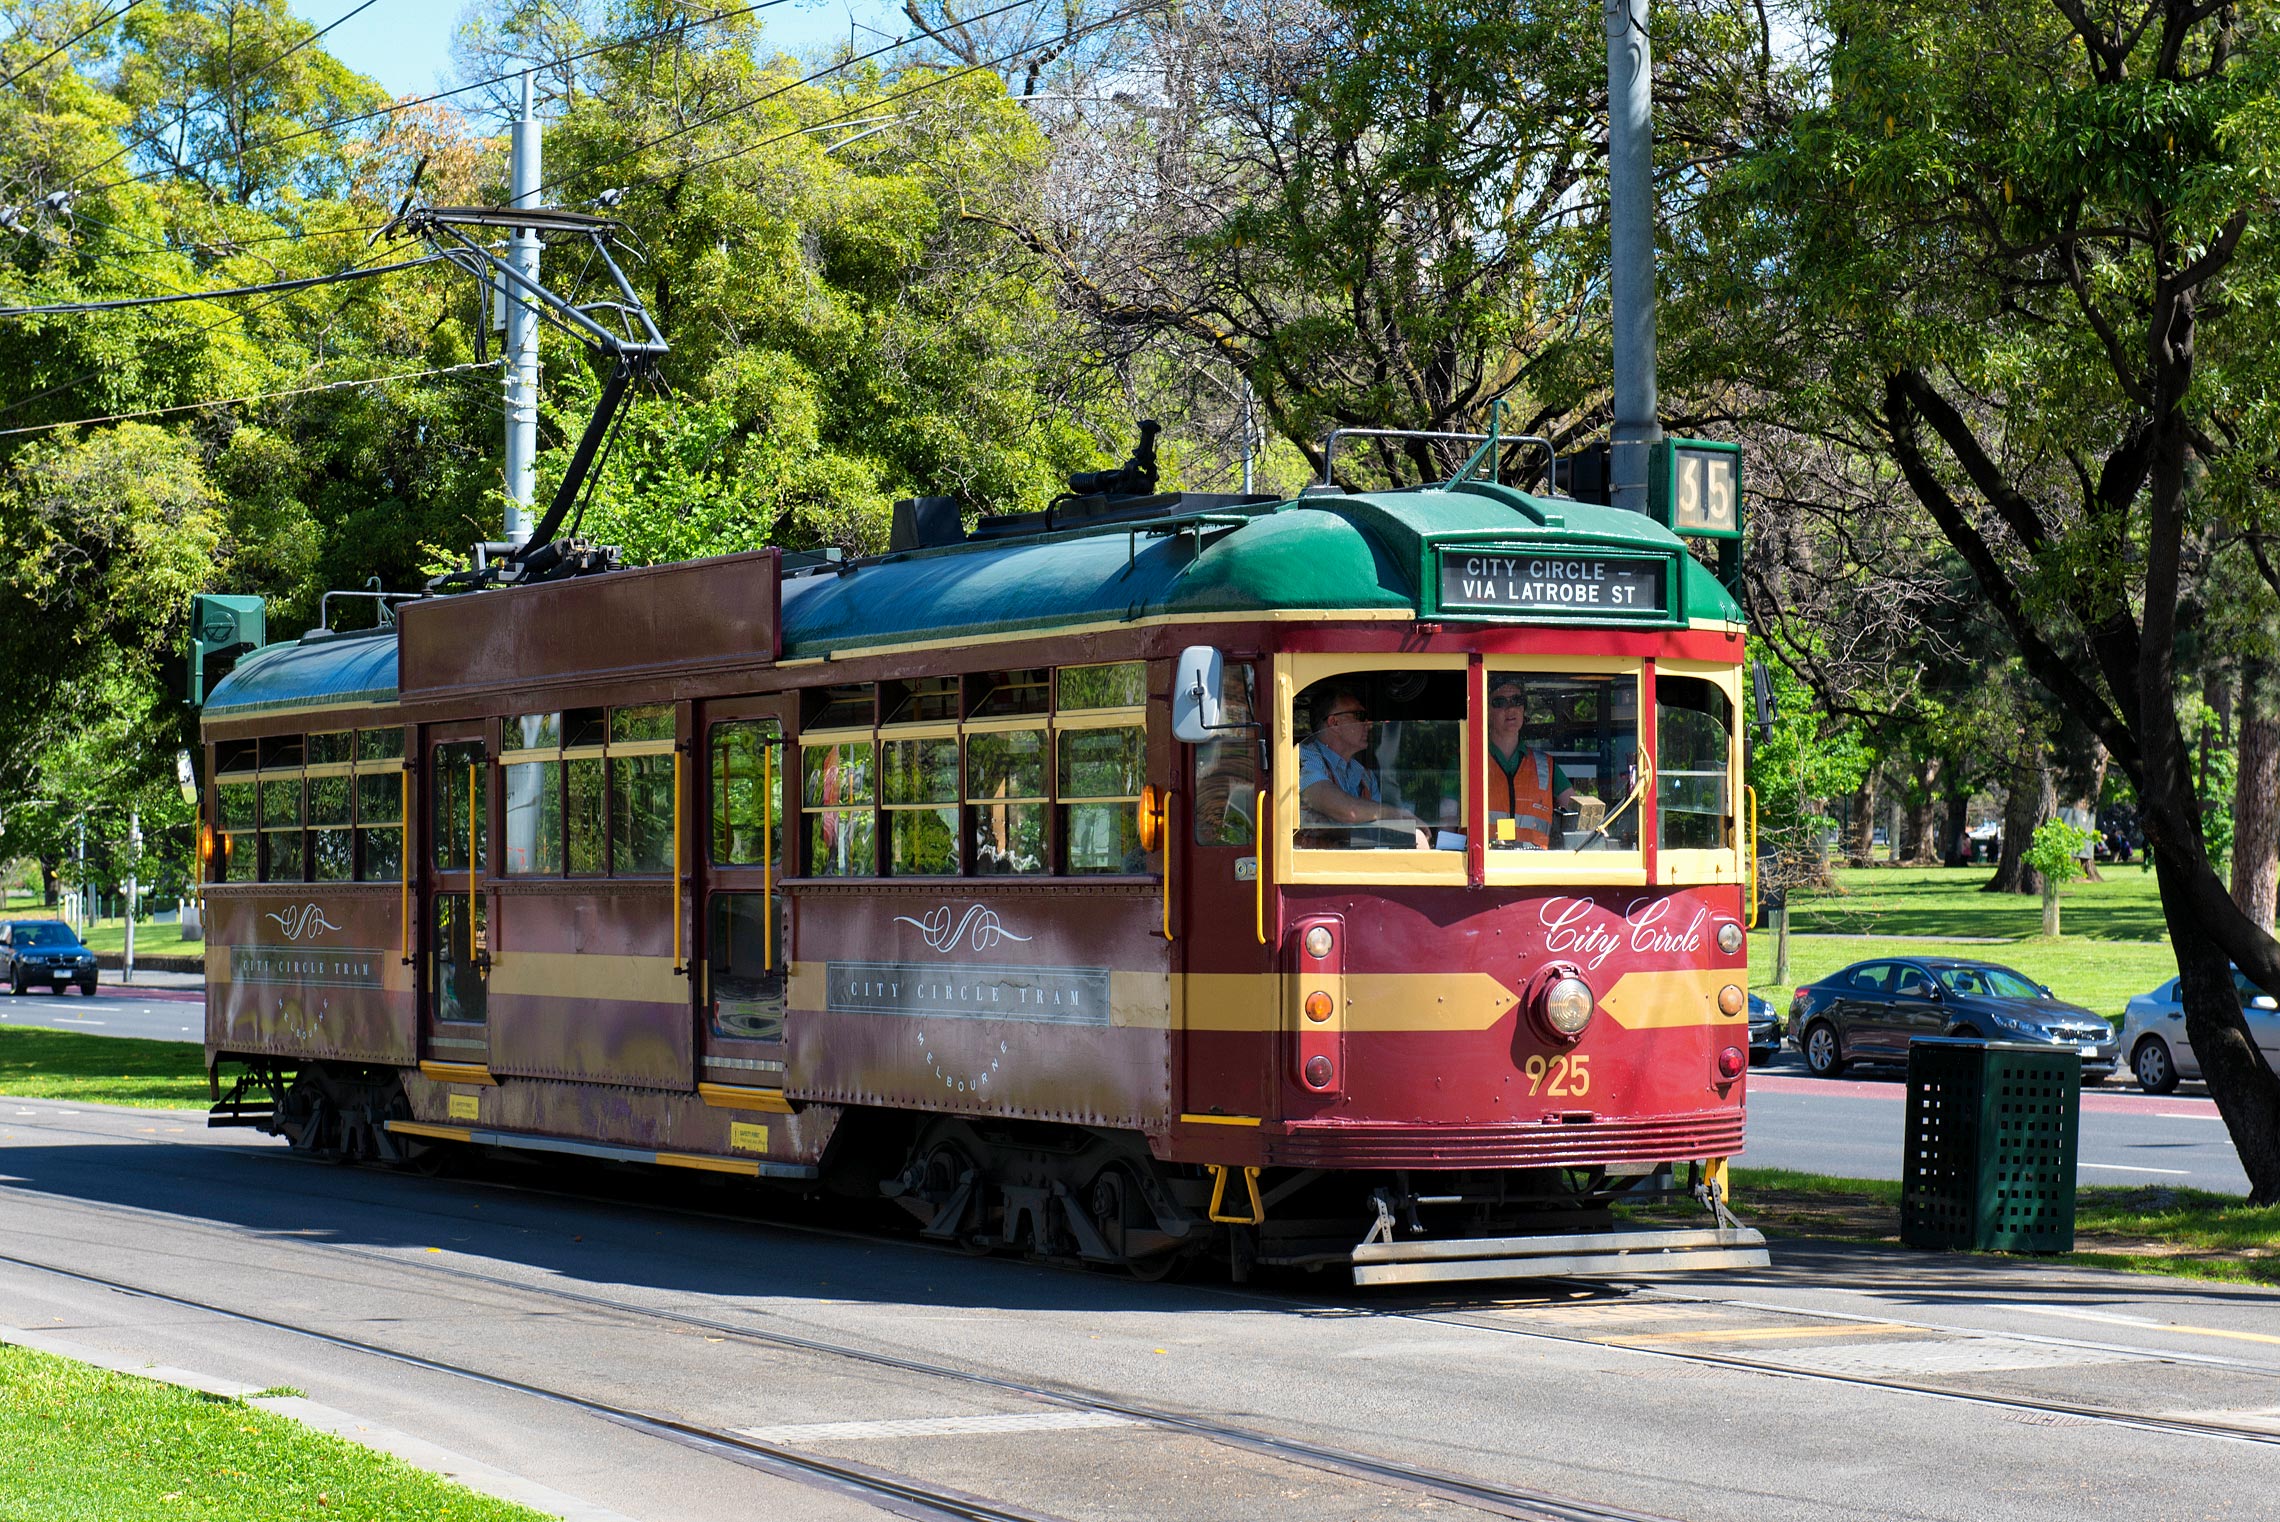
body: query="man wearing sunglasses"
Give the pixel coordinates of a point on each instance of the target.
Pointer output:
(1523, 781)
(1334, 786)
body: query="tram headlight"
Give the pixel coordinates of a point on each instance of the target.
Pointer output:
(1567, 1007)
(1319, 942)
(1729, 938)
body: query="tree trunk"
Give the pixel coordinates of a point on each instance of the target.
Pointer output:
(1860, 829)
(1955, 848)
(2050, 907)
(2256, 798)
(2033, 801)
(1919, 826)
(2240, 1081)
(48, 884)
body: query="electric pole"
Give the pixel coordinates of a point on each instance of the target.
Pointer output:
(1631, 238)
(522, 325)
(134, 865)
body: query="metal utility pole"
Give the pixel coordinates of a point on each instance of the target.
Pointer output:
(134, 859)
(1250, 431)
(1631, 229)
(522, 325)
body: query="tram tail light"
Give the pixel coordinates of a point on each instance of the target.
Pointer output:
(1318, 1023)
(1731, 1062)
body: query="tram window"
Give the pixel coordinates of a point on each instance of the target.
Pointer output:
(336, 749)
(379, 825)
(641, 814)
(237, 852)
(745, 794)
(1381, 761)
(652, 722)
(1122, 685)
(236, 756)
(459, 812)
(533, 794)
(1005, 800)
(1562, 762)
(332, 842)
(835, 810)
(531, 731)
(840, 708)
(918, 789)
(282, 854)
(1694, 725)
(379, 745)
(281, 750)
(924, 700)
(744, 969)
(584, 811)
(458, 968)
(1227, 769)
(1101, 774)
(1009, 694)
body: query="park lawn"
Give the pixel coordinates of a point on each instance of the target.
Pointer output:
(80, 1444)
(110, 1070)
(2100, 976)
(2185, 1233)
(1947, 902)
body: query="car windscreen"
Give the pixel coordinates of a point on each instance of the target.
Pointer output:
(45, 933)
(1998, 981)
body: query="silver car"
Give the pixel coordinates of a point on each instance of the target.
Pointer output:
(2153, 1033)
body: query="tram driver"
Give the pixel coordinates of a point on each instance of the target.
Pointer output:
(1335, 787)
(1525, 785)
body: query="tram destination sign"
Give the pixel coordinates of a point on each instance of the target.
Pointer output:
(1555, 584)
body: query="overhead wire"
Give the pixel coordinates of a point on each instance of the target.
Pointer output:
(72, 41)
(259, 396)
(121, 303)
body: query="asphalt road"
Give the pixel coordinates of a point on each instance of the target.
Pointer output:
(1854, 1127)
(118, 1009)
(1756, 1397)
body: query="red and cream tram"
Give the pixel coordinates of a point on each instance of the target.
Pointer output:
(1355, 880)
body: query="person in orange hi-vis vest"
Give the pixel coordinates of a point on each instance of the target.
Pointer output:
(1523, 781)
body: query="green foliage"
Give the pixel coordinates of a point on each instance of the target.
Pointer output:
(2055, 850)
(1809, 757)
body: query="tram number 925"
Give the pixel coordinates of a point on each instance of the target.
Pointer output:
(1563, 1075)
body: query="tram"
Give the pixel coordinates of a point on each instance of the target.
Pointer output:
(1353, 881)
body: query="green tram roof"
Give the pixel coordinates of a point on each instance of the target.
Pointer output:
(1334, 554)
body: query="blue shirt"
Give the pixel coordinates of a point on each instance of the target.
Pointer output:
(1319, 763)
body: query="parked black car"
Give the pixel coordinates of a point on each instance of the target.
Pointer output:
(1870, 1011)
(1765, 1031)
(44, 951)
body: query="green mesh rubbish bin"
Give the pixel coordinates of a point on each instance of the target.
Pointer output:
(1992, 1132)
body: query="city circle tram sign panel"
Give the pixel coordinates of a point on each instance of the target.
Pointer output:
(1562, 585)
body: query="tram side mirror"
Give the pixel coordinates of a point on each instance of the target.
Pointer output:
(1196, 709)
(1761, 694)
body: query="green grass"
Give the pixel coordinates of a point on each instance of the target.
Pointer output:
(2184, 1233)
(87, 1445)
(111, 1070)
(2115, 944)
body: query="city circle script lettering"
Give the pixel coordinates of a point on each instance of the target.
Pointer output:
(1582, 929)
(1614, 585)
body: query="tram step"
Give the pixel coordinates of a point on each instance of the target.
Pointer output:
(1613, 1254)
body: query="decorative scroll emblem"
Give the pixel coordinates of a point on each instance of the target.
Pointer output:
(980, 929)
(306, 920)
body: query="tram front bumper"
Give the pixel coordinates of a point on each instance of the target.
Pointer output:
(1585, 1255)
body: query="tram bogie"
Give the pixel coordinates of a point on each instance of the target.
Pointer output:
(1354, 882)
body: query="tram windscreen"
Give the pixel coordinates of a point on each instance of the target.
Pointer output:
(1562, 762)
(1381, 761)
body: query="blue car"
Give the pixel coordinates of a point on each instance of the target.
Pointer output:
(44, 951)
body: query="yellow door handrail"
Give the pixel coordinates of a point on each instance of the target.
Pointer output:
(473, 959)
(404, 857)
(1749, 853)
(767, 857)
(680, 969)
(1259, 863)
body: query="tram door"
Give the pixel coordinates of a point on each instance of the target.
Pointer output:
(1232, 1003)
(455, 924)
(743, 956)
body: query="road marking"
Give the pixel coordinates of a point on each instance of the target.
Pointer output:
(2140, 1321)
(1923, 1356)
(2126, 1168)
(1762, 1333)
(938, 1426)
(2176, 1115)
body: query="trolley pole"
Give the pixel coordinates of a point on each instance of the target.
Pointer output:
(1631, 230)
(522, 326)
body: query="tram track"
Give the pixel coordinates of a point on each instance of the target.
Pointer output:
(1361, 1467)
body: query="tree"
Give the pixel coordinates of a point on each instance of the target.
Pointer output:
(2024, 260)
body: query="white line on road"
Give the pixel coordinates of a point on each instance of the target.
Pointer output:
(2126, 1168)
(2179, 1115)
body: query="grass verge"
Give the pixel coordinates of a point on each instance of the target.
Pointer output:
(2101, 976)
(110, 1070)
(2187, 1233)
(86, 1445)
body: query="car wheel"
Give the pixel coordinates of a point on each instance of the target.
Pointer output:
(1821, 1057)
(88, 988)
(1966, 1033)
(19, 987)
(2156, 1070)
